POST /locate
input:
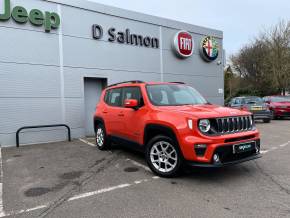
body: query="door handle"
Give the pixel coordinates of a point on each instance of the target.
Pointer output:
(105, 112)
(121, 115)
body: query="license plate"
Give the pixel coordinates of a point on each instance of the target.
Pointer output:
(244, 147)
(256, 108)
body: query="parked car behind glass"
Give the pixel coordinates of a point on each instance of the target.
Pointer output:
(254, 104)
(279, 106)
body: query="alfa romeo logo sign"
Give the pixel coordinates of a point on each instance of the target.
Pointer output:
(209, 48)
(183, 44)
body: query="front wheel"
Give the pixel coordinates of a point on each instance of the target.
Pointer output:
(102, 140)
(163, 156)
(268, 120)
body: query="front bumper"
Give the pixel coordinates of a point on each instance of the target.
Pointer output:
(261, 114)
(225, 164)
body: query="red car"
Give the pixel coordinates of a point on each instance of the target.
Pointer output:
(279, 106)
(173, 124)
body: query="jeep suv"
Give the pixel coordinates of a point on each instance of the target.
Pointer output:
(173, 124)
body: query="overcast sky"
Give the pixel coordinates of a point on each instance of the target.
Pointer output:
(240, 20)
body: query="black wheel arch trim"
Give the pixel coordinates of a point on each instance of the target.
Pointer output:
(158, 127)
(98, 119)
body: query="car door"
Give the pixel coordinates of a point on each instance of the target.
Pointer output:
(111, 111)
(132, 118)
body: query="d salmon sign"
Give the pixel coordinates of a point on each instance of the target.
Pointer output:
(183, 44)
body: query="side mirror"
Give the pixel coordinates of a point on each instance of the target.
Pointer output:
(131, 103)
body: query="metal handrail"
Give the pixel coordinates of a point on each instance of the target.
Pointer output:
(42, 126)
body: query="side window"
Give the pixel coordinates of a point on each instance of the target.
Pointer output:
(113, 97)
(232, 102)
(133, 93)
(238, 101)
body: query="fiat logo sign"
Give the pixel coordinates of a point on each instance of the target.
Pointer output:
(183, 44)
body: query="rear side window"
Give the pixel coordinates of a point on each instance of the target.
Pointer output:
(113, 97)
(133, 93)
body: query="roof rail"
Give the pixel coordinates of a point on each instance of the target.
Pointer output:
(130, 81)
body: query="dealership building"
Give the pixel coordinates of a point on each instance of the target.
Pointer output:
(57, 56)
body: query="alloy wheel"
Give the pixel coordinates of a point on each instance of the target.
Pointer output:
(100, 137)
(163, 156)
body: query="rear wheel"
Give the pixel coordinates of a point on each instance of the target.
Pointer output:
(102, 140)
(163, 156)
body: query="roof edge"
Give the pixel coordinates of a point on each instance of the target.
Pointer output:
(132, 15)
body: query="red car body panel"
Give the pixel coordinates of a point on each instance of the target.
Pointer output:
(280, 109)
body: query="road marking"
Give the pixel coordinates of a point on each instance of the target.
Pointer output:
(14, 213)
(87, 142)
(81, 196)
(275, 147)
(88, 194)
(139, 164)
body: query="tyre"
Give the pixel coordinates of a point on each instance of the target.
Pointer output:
(102, 140)
(163, 156)
(268, 120)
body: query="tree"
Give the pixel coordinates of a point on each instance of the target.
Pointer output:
(263, 65)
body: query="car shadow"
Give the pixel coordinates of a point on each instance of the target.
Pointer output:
(210, 175)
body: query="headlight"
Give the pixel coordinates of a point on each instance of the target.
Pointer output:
(204, 125)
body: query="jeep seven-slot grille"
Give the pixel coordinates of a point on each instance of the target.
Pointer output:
(233, 124)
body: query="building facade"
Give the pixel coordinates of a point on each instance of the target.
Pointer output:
(57, 56)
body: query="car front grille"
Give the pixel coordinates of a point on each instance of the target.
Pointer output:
(227, 125)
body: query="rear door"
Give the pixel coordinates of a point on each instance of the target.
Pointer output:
(113, 101)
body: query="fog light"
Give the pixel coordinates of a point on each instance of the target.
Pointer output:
(216, 158)
(200, 149)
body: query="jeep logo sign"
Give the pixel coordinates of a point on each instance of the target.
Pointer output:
(183, 44)
(50, 20)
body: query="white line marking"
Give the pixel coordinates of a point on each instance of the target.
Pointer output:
(273, 148)
(83, 195)
(87, 142)
(88, 194)
(139, 164)
(14, 213)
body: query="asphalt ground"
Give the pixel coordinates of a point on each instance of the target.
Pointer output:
(76, 180)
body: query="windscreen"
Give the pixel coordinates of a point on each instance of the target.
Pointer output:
(174, 95)
(280, 99)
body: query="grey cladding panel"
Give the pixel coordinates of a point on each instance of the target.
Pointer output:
(90, 53)
(89, 18)
(24, 80)
(18, 112)
(193, 65)
(26, 46)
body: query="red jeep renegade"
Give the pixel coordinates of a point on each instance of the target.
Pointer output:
(173, 124)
